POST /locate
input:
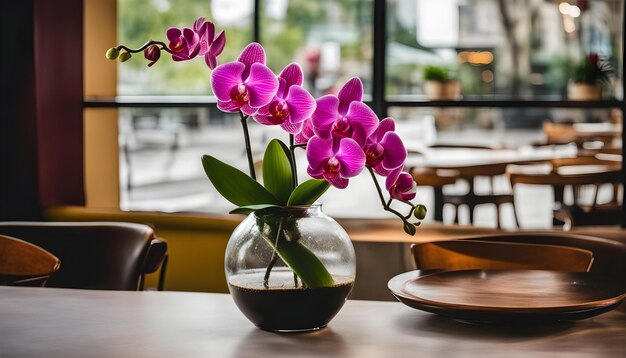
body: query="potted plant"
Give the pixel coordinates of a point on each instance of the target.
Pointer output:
(439, 84)
(290, 267)
(588, 77)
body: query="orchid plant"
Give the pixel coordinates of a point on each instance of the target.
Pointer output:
(341, 135)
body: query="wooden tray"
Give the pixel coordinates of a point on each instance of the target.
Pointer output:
(492, 296)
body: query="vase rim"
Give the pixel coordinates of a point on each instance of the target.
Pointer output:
(289, 210)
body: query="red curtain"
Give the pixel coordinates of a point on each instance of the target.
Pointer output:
(41, 132)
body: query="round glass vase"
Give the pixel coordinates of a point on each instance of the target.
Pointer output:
(290, 269)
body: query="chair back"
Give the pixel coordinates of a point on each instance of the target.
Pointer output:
(95, 255)
(485, 255)
(24, 264)
(609, 256)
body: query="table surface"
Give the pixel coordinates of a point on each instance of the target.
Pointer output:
(452, 158)
(38, 322)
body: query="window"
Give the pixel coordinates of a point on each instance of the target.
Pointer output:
(508, 55)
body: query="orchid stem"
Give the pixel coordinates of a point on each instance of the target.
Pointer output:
(266, 278)
(246, 135)
(162, 45)
(382, 198)
(294, 171)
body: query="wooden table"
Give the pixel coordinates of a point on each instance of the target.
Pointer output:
(45, 322)
(472, 162)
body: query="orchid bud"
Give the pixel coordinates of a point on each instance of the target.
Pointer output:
(124, 56)
(112, 53)
(152, 53)
(420, 212)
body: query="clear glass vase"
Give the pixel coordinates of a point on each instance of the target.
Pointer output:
(290, 269)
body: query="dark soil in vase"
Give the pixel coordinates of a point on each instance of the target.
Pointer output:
(282, 307)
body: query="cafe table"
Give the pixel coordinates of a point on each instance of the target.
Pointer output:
(47, 322)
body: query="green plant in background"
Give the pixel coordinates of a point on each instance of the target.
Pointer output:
(592, 70)
(437, 73)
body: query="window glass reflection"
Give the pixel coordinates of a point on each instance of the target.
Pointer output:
(506, 48)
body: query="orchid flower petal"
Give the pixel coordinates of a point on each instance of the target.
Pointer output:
(204, 40)
(350, 92)
(282, 85)
(395, 153)
(210, 60)
(262, 85)
(315, 173)
(262, 118)
(381, 171)
(224, 78)
(386, 125)
(404, 188)
(391, 178)
(338, 182)
(218, 44)
(290, 127)
(198, 24)
(301, 104)
(210, 32)
(325, 115)
(227, 106)
(363, 121)
(248, 110)
(191, 37)
(173, 33)
(318, 151)
(292, 74)
(253, 53)
(306, 133)
(351, 157)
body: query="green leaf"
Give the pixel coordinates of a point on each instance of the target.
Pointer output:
(308, 192)
(305, 264)
(234, 185)
(250, 208)
(277, 177)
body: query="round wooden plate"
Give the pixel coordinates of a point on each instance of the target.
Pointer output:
(510, 295)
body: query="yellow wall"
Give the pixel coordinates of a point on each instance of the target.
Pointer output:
(100, 125)
(196, 243)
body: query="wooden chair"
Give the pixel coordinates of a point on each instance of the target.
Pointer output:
(609, 256)
(24, 264)
(472, 200)
(576, 173)
(485, 255)
(96, 255)
(436, 179)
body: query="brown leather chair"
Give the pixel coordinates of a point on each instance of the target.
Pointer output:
(96, 255)
(25, 264)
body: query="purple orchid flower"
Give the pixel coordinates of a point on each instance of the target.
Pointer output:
(336, 166)
(292, 103)
(210, 45)
(183, 44)
(344, 115)
(246, 84)
(401, 185)
(306, 132)
(384, 150)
